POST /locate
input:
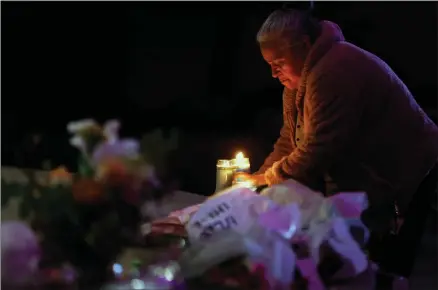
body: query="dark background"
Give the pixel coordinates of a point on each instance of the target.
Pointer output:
(191, 65)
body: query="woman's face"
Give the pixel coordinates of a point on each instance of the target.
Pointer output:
(286, 61)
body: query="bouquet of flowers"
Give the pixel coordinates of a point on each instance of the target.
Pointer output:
(287, 237)
(87, 218)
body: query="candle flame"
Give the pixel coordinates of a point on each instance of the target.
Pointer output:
(239, 156)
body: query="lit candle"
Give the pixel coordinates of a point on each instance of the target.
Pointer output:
(241, 163)
(224, 174)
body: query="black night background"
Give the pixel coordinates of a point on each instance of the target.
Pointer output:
(189, 67)
(195, 66)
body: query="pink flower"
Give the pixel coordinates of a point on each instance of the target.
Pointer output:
(20, 253)
(127, 148)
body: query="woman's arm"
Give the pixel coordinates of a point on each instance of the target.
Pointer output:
(283, 146)
(335, 109)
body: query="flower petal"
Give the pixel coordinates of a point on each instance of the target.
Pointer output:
(120, 148)
(76, 126)
(78, 142)
(131, 147)
(111, 130)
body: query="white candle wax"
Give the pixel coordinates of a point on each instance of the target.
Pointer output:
(224, 174)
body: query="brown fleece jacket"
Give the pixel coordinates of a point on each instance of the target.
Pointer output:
(357, 123)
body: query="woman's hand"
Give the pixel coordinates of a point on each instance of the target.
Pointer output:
(257, 179)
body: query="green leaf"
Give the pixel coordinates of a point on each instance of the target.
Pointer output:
(24, 209)
(11, 191)
(7, 193)
(84, 167)
(92, 141)
(90, 238)
(111, 220)
(73, 215)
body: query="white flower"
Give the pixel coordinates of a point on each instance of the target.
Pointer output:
(146, 229)
(12, 175)
(78, 142)
(111, 130)
(76, 126)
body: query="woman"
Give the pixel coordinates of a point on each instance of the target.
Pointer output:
(348, 119)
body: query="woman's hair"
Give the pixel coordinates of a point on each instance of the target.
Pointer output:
(289, 23)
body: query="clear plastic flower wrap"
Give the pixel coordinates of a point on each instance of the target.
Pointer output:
(258, 246)
(176, 221)
(316, 211)
(241, 225)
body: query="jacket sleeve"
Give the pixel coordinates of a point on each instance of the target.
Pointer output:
(282, 146)
(334, 111)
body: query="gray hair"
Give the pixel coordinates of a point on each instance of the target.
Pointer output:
(290, 24)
